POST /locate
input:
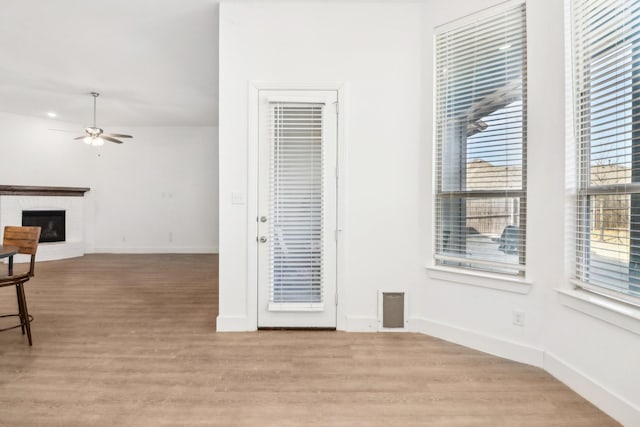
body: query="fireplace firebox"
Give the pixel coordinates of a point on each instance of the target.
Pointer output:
(52, 224)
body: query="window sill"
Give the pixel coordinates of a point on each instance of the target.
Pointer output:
(484, 280)
(602, 308)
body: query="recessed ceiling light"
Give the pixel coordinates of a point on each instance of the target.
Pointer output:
(51, 114)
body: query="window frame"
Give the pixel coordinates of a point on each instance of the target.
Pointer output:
(468, 265)
(581, 80)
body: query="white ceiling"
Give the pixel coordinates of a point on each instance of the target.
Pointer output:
(154, 62)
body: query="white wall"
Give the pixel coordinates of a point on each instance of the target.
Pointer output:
(32, 154)
(383, 52)
(374, 50)
(154, 193)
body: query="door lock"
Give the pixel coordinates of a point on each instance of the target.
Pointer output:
(263, 239)
(263, 219)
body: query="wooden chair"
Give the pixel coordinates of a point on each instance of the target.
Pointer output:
(26, 239)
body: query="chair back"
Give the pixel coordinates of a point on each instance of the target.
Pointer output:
(26, 239)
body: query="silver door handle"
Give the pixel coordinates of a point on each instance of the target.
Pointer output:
(263, 219)
(263, 239)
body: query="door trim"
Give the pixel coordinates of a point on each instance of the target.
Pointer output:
(254, 88)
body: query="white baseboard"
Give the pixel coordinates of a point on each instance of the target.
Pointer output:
(615, 406)
(155, 250)
(497, 346)
(361, 324)
(233, 324)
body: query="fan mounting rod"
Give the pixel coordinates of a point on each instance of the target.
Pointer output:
(95, 97)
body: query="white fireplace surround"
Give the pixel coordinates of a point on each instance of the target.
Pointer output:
(11, 207)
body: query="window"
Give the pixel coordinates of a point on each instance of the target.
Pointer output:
(606, 62)
(481, 142)
(296, 208)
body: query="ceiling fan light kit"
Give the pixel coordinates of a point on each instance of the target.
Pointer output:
(95, 141)
(94, 135)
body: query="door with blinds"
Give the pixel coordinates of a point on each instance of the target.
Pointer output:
(297, 176)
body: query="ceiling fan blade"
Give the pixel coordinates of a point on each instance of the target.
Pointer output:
(80, 137)
(118, 135)
(108, 138)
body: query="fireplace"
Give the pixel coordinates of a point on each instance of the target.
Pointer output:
(52, 224)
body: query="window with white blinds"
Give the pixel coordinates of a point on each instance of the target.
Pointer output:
(481, 141)
(297, 203)
(606, 80)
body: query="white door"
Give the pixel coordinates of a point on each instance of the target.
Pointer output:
(297, 209)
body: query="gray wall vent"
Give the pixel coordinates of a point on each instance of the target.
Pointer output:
(393, 309)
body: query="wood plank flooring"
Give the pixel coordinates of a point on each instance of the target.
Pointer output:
(129, 340)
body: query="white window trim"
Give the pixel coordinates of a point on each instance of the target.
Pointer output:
(497, 281)
(600, 307)
(301, 306)
(517, 283)
(470, 18)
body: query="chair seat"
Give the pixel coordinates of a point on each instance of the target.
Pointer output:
(18, 268)
(20, 274)
(13, 280)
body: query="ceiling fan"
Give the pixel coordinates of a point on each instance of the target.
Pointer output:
(94, 135)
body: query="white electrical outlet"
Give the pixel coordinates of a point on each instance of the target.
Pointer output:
(518, 317)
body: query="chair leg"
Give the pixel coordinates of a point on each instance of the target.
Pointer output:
(20, 307)
(27, 323)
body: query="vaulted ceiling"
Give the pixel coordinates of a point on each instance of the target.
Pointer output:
(154, 62)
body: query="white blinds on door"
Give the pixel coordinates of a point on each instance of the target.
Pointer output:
(297, 203)
(481, 141)
(606, 49)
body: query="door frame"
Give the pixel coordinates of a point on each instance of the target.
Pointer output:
(253, 132)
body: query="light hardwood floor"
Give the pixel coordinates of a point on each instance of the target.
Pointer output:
(130, 341)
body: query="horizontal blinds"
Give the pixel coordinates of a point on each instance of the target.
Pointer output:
(480, 142)
(296, 186)
(606, 49)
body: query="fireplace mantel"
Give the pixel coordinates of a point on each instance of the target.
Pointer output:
(26, 190)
